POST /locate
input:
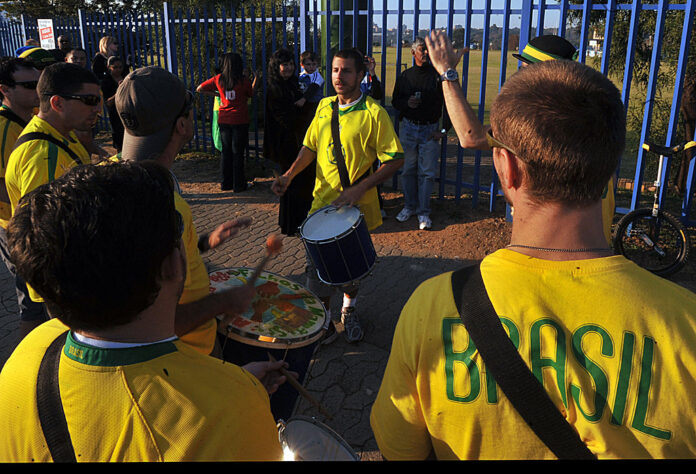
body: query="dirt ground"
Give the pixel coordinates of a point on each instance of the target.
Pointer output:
(459, 231)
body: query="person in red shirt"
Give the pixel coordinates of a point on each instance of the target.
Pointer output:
(234, 88)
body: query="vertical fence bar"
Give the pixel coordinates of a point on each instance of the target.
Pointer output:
(585, 28)
(476, 185)
(649, 102)
(383, 53)
(608, 29)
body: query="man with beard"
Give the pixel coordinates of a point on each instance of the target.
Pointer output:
(366, 134)
(69, 100)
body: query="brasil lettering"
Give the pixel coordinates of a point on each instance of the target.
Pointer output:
(639, 411)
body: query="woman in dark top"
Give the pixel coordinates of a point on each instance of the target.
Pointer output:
(109, 84)
(108, 46)
(234, 89)
(283, 134)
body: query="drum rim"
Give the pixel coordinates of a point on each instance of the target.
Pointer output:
(361, 217)
(255, 340)
(312, 420)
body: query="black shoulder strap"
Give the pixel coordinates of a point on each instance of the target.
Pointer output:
(51, 415)
(337, 148)
(26, 137)
(511, 373)
(9, 115)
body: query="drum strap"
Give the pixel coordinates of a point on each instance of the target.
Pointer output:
(338, 148)
(338, 151)
(512, 375)
(50, 407)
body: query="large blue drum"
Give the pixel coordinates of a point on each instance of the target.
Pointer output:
(339, 244)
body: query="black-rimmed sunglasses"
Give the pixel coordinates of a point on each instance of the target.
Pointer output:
(89, 100)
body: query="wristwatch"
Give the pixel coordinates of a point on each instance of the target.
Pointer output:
(450, 75)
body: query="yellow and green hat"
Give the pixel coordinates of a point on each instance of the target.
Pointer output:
(40, 57)
(545, 48)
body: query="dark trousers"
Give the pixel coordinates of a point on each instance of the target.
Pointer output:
(28, 310)
(235, 139)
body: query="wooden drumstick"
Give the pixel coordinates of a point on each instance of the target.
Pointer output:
(274, 244)
(301, 389)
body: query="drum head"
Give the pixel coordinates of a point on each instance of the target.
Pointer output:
(283, 313)
(311, 440)
(329, 222)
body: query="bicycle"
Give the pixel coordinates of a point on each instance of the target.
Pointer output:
(651, 237)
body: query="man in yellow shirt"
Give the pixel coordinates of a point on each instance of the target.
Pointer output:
(68, 100)
(18, 81)
(612, 345)
(367, 134)
(102, 245)
(156, 111)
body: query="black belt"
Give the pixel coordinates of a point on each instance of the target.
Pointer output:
(421, 122)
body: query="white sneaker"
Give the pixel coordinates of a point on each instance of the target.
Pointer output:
(424, 222)
(404, 215)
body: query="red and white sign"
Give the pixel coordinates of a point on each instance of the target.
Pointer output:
(47, 36)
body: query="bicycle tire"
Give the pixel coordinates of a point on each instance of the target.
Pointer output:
(659, 244)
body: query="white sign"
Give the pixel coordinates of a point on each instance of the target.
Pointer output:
(47, 36)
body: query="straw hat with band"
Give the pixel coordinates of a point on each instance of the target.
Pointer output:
(545, 48)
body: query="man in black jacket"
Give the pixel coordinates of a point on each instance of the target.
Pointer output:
(418, 98)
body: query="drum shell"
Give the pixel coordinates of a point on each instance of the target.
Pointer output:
(345, 258)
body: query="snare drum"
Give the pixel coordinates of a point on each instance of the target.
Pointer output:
(306, 439)
(339, 244)
(283, 314)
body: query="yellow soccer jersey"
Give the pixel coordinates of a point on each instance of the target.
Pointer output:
(614, 345)
(38, 162)
(9, 132)
(159, 402)
(367, 134)
(197, 285)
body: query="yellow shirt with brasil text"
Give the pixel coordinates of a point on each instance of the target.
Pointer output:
(158, 402)
(367, 134)
(614, 345)
(38, 162)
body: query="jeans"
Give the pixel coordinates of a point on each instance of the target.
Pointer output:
(421, 155)
(235, 139)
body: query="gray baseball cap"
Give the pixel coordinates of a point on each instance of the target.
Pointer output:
(149, 101)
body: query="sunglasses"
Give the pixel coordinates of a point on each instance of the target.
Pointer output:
(495, 143)
(28, 84)
(89, 100)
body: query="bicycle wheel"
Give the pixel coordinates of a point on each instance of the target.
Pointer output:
(659, 244)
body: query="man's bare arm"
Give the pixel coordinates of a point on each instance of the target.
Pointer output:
(304, 158)
(231, 302)
(471, 133)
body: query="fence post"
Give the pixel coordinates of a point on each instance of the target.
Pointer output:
(24, 31)
(304, 25)
(172, 66)
(81, 22)
(526, 23)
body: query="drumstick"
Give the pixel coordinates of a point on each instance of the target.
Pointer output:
(301, 389)
(274, 244)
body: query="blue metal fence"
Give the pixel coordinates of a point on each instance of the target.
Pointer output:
(189, 42)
